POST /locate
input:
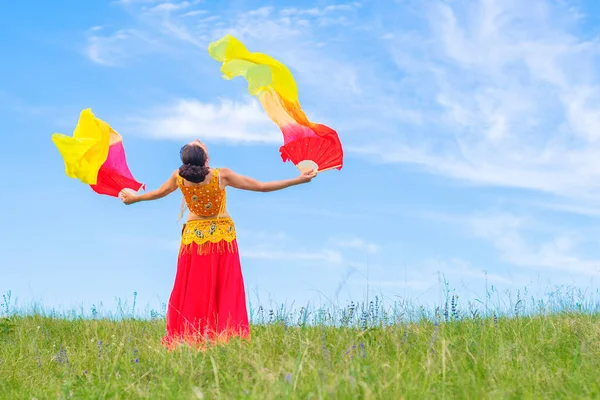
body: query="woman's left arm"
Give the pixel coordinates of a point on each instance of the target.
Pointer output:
(166, 189)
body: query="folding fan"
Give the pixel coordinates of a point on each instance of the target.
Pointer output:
(307, 144)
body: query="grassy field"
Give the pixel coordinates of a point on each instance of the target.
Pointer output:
(548, 355)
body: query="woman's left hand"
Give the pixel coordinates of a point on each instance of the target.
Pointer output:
(127, 197)
(307, 176)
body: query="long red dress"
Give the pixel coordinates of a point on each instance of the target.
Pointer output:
(208, 301)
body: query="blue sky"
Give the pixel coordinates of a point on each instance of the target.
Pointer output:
(471, 131)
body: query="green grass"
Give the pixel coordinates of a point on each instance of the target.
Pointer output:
(541, 356)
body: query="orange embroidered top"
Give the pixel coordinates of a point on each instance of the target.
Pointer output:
(204, 200)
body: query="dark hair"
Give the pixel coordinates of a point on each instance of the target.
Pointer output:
(194, 167)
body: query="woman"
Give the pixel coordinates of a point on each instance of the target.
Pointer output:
(208, 300)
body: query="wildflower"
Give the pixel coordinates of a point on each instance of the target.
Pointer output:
(434, 335)
(198, 392)
(61, 357)
(349, 350)
(453, 305)
(288, 377)
(405, 337)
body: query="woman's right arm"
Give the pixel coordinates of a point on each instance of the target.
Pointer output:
(167, 188)
(230, 178)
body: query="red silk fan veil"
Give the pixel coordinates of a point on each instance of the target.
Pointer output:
(306, 144)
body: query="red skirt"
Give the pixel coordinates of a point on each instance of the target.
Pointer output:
(208, 301)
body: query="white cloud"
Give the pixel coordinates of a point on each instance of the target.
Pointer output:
(320, 11)
(134, 2)
(194, 13)
(509, 106)
(327, 256)
(169, 7)
(227, 121)
(282, 247)
(483, 91)
(356, 244)
(254, 244)
(586, 210)
(530, 242)
(119, 48)
(428, 276)
(288, 34)
(513, 239)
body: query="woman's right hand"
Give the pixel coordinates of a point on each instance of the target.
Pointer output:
(127, 197)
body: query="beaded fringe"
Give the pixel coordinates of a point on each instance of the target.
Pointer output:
(220, 247)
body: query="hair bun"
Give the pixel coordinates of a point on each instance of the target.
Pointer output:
(193, 173)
